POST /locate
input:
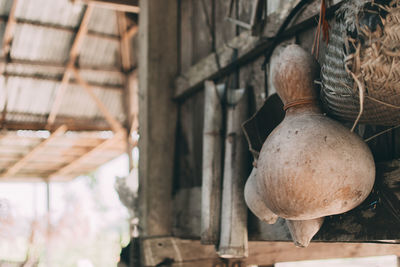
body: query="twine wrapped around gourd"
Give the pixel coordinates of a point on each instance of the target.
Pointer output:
(362, 61)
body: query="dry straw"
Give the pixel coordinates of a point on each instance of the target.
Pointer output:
(361, 75)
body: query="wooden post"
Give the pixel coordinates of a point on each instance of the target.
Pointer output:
(233, 240)
(157, 114)
(211, 184)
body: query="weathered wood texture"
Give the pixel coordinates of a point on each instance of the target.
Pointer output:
(212, 166)
(178, 252)
(189, 141)
(120, 5)
(157, 114)
(246, 47)
(233, 240)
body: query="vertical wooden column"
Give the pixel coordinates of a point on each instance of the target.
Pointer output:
(157, 114)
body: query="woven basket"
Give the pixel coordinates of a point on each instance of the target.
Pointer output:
(364, 45)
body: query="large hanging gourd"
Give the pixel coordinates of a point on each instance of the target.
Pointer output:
(310, 166)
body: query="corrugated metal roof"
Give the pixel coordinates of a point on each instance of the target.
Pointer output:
(56, 154)
(50, 11)
(32, 96)
(77, 102)
(33, 70)
(104, 21)
(97, 51)
(40, 48)
(41, 44)
(109, 78)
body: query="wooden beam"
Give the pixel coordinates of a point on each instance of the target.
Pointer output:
(181, 252)
(115, 124)
(22, 21)
(134, 102)
(126, 65)
(245, 47)
(60, 67)
(158, 67)
(9, 31)
(131, 32)
(20, 164)
(64, 171)
(73, 124)
(124, 44)
(130, 6)
(73, 54)
(56, 79)
(265, 253)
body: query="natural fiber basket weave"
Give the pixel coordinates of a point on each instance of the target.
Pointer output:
(364, 46)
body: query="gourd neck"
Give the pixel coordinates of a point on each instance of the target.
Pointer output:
(304, 108)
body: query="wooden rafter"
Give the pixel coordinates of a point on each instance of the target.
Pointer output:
(130, 6)
(73, 54)
(9, 31)
(131, 32)
(57, 79)
(54, 66)
(115, 124)
(131, 90)
(124, 44)
(69, 29)
(76, 163)
(21, 163)
(72, 124)
(126, 66)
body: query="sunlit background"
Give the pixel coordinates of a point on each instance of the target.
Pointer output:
(87, 224)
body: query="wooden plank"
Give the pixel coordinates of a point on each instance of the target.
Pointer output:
(182, 252)
(233, 239)
(64, 28)
(61, 67)
(72, 123)
(118, 5)
(156, 250)
(202, 29)
(56, 79)
(245, 47)
(212, 166)
(134, 102)
(157, 114)
(131, 32)
(22, 162)
(9, 31)
(224, 30)
(115, 124)
(73, 54)
(124, 42)
(185, 34)
(64, 171)
(264, 253)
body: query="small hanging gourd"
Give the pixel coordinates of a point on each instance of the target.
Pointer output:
(310, 166)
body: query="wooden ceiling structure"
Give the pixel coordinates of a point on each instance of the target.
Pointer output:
(61, 147)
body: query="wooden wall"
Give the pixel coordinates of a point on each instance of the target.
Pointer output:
(202, 30)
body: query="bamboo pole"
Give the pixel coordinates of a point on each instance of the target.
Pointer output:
(233, 239)
(212, 146)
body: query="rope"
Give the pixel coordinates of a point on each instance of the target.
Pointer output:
(299, 102)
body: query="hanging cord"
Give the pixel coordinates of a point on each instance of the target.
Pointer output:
(322, 25)
(278, 36)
